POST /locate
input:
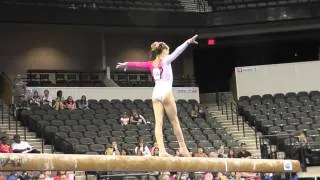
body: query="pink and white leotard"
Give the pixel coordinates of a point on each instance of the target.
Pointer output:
(162, 74)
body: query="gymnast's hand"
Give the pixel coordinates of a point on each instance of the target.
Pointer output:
(193, 40)
(122, 66)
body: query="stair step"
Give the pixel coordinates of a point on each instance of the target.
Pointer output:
(235, 129)
(11, 130)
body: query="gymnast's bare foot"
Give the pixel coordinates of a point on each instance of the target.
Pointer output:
(185, 153)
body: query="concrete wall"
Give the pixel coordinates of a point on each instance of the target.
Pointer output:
(25, 47)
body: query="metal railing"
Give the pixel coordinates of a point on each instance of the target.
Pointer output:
(223, 106)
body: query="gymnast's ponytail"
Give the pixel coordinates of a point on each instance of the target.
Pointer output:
(157, 48)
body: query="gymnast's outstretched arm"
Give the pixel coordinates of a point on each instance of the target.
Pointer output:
(139, 65)
(180, 49)
(145, 65)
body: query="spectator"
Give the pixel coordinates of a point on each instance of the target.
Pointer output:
(155, 151)
(35, 99)
(231, 153)
(42, 177)
(113, 149)
(243, 153)
(70, 104)
(109, 151)
(155, 145)
(200, 153)
(141, 147)
(300, 151)
(124, 152)
(59, 101)
(202, 113)
(48, 175)
(139, 153)
(195, 112)
(137, 118)
(62, 175)
(83, 103)
(22, 146)
(4, 146)
(46, 99)
(125, 119)
(178, 154)
(213, 154)
(221, 153)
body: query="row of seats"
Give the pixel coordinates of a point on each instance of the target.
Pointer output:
(165, 5)
(82, 131)
(283, 116)
(66, 84)
(60, 79)
(221, 5)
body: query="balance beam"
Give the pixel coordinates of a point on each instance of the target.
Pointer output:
(77, 162)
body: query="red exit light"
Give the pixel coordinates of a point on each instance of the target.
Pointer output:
(211, 42)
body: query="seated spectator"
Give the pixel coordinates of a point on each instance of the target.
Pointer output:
(42, 177)
(178, 154)
(109, 151)
(231, 153)
(125, 119)
(59, 101)
(22, 146)
(213, 154)
(124, 152)
(139, 153)
(48, 175)
(202, 113)
(113, 149)
(195, 112)
(70, 104)
(83, 103)
(155, 151)
(221, 152)
(243, 153)
(35, 98)
(142, 148)
(200, 153)
(137, 118)
(4, 146)
(46, 99)
(62, 175)
(155, 145)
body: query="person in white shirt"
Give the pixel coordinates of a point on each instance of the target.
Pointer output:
(22, 146)
(46, 99)
(142, 148)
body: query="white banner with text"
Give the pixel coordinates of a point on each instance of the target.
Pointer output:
(277, 78)
(110, 93)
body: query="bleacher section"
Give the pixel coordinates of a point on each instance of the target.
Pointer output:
(153, 5)
(91, 131)
(222, 5)
(283, 116)
(63, 78)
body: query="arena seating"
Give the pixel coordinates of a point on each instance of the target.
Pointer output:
(91, 131)
(221, 5)
(163, 5)
(284, 116)
(63, 78)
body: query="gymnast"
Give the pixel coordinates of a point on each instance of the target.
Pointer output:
(162, 96)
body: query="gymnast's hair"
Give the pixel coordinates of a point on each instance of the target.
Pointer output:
(157, 48)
